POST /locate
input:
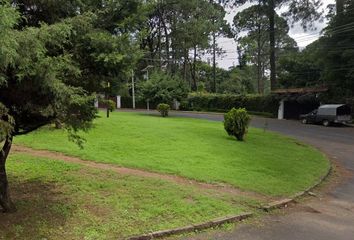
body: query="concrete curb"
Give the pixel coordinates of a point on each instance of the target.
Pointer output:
(192, 228)
(285, 202)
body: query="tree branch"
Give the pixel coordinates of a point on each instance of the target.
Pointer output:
(23, 132)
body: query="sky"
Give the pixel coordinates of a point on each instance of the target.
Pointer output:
(303, 38)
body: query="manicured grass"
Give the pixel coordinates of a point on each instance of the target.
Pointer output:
(198, 149)
(58, 200)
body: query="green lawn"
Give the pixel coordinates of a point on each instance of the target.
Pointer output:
(198, 149)
(58, 200)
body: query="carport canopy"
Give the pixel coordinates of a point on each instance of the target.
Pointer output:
(296, 93)
(334, 109)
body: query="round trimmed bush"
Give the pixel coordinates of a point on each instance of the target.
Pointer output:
(163, 109)
(236, 123)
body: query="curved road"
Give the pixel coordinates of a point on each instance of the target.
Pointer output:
(330, 215)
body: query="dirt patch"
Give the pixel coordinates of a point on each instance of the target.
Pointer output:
(224, 188)
(40, 205)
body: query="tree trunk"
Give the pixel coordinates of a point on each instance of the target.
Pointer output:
(271, 16)
(159, 44)
(259, 52)
(58, 124)
(263, 77)
(185, 64)
(167, 41)
(214, 62)
(214, 54)
(174, 44)
(259, 67)
(5, 200)
(194, 70)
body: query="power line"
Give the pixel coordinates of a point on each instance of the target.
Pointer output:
(311, 36)
(321, 71)
(342, 26)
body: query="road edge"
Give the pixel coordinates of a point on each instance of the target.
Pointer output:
(193, 228)
(285, 202)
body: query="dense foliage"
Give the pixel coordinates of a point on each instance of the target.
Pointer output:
(163, 87)
(258, 104)
(251, 26)
(54, 57)
(303, 11)
(328, 61)
(239, 81)
(236, 123)
(180, 32)
(163, 109)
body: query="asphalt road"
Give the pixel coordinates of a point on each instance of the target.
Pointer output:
(330, 215)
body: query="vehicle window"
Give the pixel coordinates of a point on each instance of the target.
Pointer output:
(344, 110)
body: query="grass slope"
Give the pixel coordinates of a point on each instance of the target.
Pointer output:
(266, 162)
(57, 200)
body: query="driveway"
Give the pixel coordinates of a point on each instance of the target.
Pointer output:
(330, 215)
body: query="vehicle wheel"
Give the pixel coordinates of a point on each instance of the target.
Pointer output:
(304, 121)
(325, 123)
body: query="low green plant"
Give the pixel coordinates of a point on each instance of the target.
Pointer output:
(267, 104)
(236, 123)
(162, 88)
(111, 105)
(163, 108)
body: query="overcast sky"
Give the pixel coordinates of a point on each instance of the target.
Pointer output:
(302, 38)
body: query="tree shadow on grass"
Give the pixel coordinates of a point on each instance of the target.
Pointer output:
(42, 208)
(234, 139)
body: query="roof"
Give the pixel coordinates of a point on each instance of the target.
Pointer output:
(327, 106)
(301, 90)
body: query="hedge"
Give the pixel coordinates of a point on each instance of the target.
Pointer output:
(127, 102)
(255, 104)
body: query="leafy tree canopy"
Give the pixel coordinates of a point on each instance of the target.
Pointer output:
(163, 88)
(240, 81)
(328, 61)
(52, 66)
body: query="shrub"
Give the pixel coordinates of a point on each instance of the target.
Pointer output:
(111, 105)
(163, 109)
(184, 105)
(236, 123)
(140, 103)
(162, 87)
(223, 102)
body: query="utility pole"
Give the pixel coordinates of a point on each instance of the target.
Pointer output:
(214, 61)
(133, 89)
(147, 79)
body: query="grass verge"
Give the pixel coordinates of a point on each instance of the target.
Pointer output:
(198, 149)
(59, 200)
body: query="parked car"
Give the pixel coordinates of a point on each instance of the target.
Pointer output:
(328, 114)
